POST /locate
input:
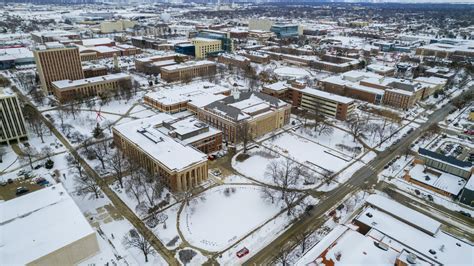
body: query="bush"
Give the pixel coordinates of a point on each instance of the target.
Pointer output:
(186, 255)
(242, 157)
(49, 164)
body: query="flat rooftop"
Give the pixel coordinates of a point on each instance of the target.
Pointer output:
(188, 64)
(145, 134)
(445, 181)
(66, 83)
(448, 250)
(327, 96)
(199, 94)
(39, 223)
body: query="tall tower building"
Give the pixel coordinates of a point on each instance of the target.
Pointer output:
(12, 123)
(57, 62)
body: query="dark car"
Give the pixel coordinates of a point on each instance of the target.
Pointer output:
(465, 214)
(21, 191)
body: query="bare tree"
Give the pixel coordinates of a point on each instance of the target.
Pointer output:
(284, 174)
(29, 152)
(303, 239)
(355, 125)
(283, 256)
(35, 121)
(86, 185)
(72, 162)
(135, 240)
(100, 152)
(244, 134)
(73, 108)
(47, 151)
(3, 151)
(118, 164)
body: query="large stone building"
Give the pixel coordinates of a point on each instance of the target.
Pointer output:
(179, 165)
(12, 123)
(68, 90)
(252, 113)
(188, 97)
(45, 227)
(57, 62)
(188, 70)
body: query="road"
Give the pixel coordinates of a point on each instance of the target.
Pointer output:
(364, 178)
(121, 207)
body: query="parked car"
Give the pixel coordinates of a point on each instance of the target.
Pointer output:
(465, 213)
(242, 252)
(21, 190)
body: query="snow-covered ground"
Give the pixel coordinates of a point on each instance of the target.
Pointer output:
(220, 216)
(309, 153)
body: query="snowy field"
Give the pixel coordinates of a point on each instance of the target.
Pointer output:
(308, 153)
(216, 219)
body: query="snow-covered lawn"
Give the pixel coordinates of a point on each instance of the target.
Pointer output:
(338, 140)
(255, 167)
(169, 236)
(216, 219)
(309, 153)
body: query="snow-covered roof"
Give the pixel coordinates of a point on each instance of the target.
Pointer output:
(278, 86)
(16, 53)
(380, 68)
(38, 224)
(432, 80)
(470, 183)
(444, 181)
(66, 83)
(199, 94)
(188, 64)
(404, 213)
(364, 252)
(96, 41)
(327, 96)
(448, 249)
(145, 135)
(245, 105)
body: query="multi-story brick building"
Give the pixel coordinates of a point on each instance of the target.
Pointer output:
(377, 89)
(54, 36)
(178, 165)
(234, 60)
(153, 64)
(336, 64)
(255, 112)
(313, 100)
(94, 71)
(12, 123)
(57, 62)
(188, 70)
(68, 90)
